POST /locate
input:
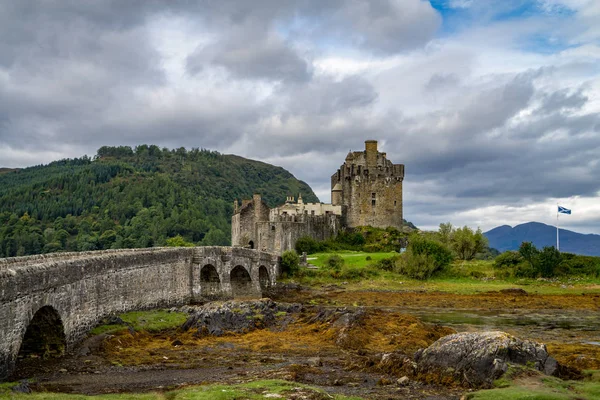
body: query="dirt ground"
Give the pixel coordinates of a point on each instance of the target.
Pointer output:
(363, 359)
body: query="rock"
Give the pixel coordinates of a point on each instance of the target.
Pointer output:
(514, 291)
(315, 362)
(84, 351)
(63, 371)
(238, 316)
(177, 342)
(403, 381)
(477, 359)
(22, 387)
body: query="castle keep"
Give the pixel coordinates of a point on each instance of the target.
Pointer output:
(365, 190)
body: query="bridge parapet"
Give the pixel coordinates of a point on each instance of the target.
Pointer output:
(83, 288)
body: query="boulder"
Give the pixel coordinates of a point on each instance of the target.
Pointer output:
(238, 316)
(477, 359)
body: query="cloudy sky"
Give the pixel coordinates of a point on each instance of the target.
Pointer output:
(492, 105)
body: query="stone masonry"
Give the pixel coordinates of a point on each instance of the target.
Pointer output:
(365, 190)
(82, 288)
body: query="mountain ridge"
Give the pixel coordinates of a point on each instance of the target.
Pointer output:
(505, 237)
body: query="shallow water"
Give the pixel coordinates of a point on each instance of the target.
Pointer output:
(567, 326)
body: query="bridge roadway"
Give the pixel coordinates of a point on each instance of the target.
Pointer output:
(49, 302)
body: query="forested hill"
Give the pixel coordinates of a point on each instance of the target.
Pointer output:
(125, 198)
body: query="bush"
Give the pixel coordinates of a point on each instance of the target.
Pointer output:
(354, 272)
(290, 262)
(508, 259)
(419, 245)
(308, 245)
(387, 264)
(334, 263)
(466, 243)
(417, 266)
(573, 264)
(549, 260)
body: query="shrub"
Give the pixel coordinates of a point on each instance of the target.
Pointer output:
(387, 264)
(334, 263)
(573, 264)
(354, 272)
(290, 262)
(508, 259)
(549, 259)
(466, 243)
(308, 245)
(419, 245)
(417, 266)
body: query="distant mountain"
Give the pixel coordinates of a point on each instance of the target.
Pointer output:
(507, 238)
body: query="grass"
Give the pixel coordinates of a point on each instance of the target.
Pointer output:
(351, 258)
(542, 388)
(461, 277)
(149, 321)
(257, 390)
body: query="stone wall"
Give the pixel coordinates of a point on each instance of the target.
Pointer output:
(257, 226)
(282, 231)
(371, 188)
(85, 287)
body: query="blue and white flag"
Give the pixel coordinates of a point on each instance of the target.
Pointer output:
(563, 210)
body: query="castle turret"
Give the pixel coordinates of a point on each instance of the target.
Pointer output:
(371, 153)
(369, 188)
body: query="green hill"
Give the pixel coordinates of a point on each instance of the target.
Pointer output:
(126, 198)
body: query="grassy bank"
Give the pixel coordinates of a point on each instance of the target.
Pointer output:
(360, 271)
(250, 391)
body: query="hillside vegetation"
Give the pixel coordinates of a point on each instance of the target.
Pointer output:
(126, 198)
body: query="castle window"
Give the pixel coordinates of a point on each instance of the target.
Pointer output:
(272, 227)
(394, 203)
(312, 212)
(373, 199)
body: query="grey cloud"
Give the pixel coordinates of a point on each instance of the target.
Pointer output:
(264, 56)
(440, 81)
(563, 100)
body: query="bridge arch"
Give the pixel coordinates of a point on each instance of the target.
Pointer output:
(241, 282)
(45, 335)
(210, 283)
(264, 278)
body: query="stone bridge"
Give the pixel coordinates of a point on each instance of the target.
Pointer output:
(49, 302)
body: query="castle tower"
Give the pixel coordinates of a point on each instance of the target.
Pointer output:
(369, 187)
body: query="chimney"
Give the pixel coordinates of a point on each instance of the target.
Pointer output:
(371, 153)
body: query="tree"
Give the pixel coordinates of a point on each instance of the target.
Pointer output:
(549, 260)
(445, 233)
(178, 241)
(466, 243)
(530, 253)
(290, 262)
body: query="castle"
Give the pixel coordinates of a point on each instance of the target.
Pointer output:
(365, 190)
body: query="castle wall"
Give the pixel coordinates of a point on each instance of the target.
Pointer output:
(371, 189)
(282, 232)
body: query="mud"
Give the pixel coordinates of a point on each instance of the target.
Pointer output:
(352, 343)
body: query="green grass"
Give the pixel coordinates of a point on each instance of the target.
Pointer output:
(251, 391)
(351, 258)
(154, 320)
(461, 277)
(150, 321)
(546, 388)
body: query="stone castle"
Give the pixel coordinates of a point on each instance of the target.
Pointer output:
(365, 190)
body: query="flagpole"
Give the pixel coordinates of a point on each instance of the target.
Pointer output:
(557, 240)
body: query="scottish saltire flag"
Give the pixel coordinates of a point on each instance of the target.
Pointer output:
(563, 210)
